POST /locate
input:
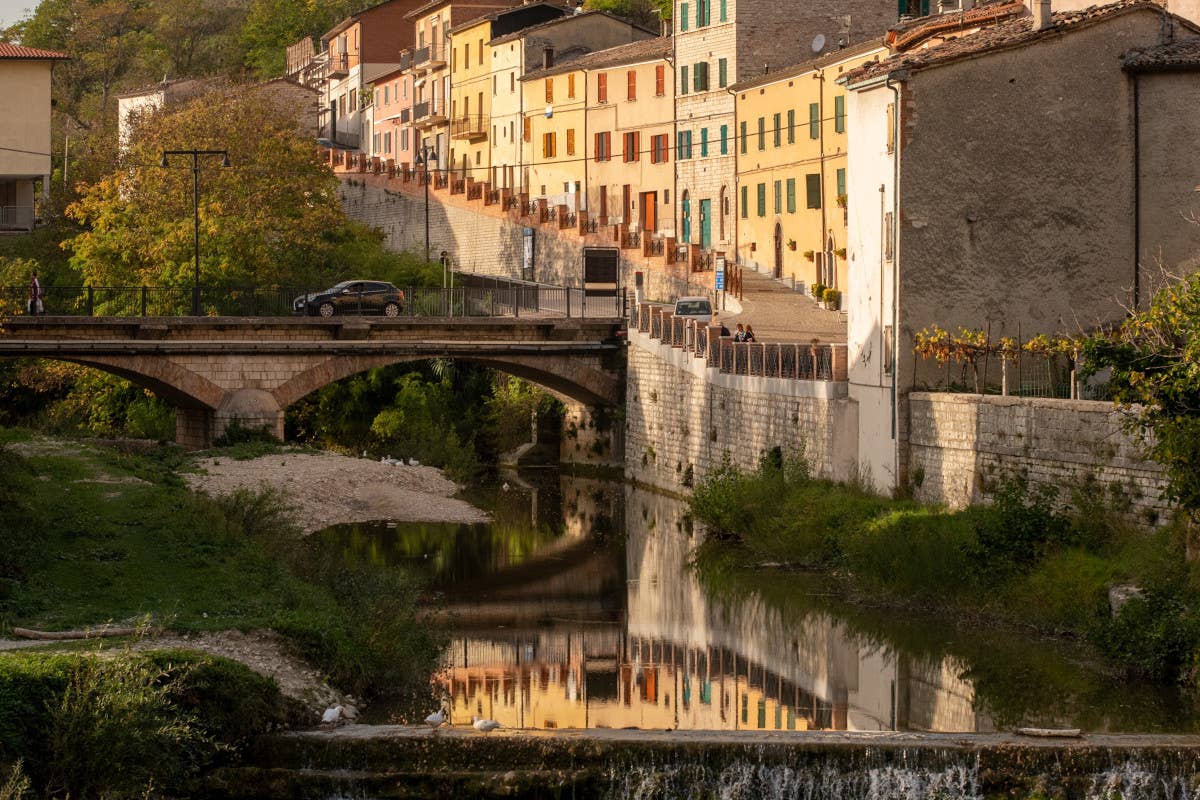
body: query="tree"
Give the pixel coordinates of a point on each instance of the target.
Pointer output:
(646, 13)
(1155, 362)
(272, 218)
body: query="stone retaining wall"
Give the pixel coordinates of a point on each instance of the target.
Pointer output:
(960, 444)
(683, 418)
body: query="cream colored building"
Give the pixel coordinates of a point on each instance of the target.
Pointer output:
(553, 134)
(630, 128)
(791, 156)
(24, 131)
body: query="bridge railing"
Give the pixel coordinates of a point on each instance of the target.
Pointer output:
(481, 296)
(811, 361)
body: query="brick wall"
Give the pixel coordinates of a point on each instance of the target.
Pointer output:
(961, 443)
(681, 415)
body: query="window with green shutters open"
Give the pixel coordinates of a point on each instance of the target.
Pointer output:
(812, 185)
(814, 121)
(839, 114)
(722, 73)
(683, 79)
(683, 16)
(791, 195)
(745, 202)
(778, 197)
(841, 182)
(700, 76)
(703, 12)
(778, 125)
(762, 199)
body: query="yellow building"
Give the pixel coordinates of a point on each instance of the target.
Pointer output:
(554, 124)
(630, 125)
(791, 149)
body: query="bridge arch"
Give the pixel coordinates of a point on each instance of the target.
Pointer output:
(177, 385)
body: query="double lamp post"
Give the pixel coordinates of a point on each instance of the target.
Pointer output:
(195, 154)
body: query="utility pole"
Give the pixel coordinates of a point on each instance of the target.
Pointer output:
(195, 154)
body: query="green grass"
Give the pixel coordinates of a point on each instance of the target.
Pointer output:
(1023, 560)
(94, 535)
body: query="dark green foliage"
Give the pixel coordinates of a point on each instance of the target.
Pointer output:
(238, 433)
(160, 716)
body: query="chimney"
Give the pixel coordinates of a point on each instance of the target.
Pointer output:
(547, 57)
(1042, 16)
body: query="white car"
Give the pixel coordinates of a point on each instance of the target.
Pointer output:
(697, 308)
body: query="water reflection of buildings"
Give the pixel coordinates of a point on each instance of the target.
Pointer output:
(659, 653)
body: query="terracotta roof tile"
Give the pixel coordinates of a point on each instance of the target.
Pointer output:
(1181, 54)
(8, 50)
(832, 57)
(1012, 32)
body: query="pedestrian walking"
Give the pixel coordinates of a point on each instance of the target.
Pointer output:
(35, 295)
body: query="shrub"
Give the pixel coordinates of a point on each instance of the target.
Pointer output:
(918, 551)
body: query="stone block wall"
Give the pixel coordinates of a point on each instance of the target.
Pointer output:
(683, 418)
(484, 243)
(960, 444)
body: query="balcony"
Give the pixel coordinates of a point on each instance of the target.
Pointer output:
(429, 57)
(429, 113)
(472, 127)
(16, 218)
(338, 65)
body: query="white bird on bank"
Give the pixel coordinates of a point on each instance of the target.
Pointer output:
(412, 462)
(390, 461)
(505, 487)
(484, 725)
(437, 718)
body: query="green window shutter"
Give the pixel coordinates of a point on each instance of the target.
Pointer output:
(762, 199)
(687, 142)
(743, 138)
(791, 195)
(704, 142)
(745, 202)
(778, 197)
(679, 145)
(722, 73)
(839, 114)
(683, 16)
(814, 121)
(700, 77)
(778, 124)
(683, 79)
(813, 186)
(724, 15)
(841, 182)
(791, 126)
(724, 140)
(762, 133)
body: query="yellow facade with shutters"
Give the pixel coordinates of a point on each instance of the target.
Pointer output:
(553, 128)
(791, 153)
(471, 92)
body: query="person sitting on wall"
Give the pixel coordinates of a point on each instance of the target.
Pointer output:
(740, 335)
(749, 337)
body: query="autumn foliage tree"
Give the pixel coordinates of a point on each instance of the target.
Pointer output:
(271, 218)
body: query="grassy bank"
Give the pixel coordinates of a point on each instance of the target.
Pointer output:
(90, 533)
(1027, 559)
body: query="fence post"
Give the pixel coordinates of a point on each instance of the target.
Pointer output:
(567, 289)
(145, 291)
(91, 302)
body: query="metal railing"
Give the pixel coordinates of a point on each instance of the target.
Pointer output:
(657, 247)
(470, 126)
(787, 360)
(478, 296)
(16, 217)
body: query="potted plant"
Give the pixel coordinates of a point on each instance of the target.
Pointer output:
(809, 254)
(840, 253)
(832, 298)
(841, 201)
(818, 291)
(791, 243)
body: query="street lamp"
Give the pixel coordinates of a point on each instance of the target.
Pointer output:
(428, 153)
(195, 154)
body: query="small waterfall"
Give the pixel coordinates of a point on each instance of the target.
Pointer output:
(1135, 779)
(748, 780)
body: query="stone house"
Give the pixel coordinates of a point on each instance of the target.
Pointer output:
(25, 74)
(1014, 176)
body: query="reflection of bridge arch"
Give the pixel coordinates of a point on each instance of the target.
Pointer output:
(215, 370)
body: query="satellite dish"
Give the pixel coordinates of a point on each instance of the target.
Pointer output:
(818, 43)
(549, 112)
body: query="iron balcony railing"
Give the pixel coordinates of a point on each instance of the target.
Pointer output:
(788, 360)
(339, 64)
(18, 218)
(471, 126)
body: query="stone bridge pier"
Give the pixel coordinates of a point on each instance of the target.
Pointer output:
(222, 371)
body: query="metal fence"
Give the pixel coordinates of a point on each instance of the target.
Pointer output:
(789, 360)
(475, 296)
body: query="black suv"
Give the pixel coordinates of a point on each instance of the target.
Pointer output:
(352, 297)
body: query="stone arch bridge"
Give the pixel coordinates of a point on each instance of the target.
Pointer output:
(218, 369)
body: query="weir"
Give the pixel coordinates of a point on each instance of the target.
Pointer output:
(396, 762)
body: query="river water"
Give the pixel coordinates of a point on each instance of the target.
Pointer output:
(578, 607)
